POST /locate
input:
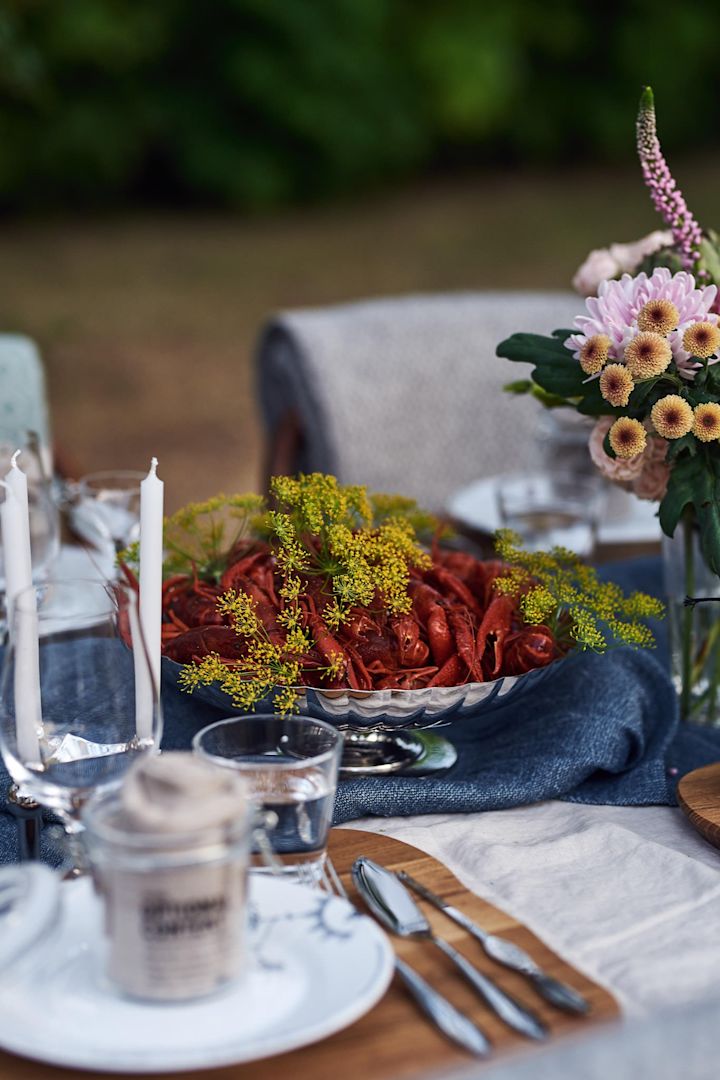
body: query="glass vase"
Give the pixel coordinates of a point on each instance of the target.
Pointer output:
(694, 629)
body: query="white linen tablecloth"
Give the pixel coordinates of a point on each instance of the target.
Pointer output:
(629, 895)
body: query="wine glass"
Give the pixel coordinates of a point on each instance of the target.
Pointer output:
(105, 508)
(78, 703)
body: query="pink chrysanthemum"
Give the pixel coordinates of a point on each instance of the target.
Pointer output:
(614, 312)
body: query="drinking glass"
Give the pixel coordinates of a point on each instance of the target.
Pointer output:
(105, 508)
(290, 765)
(551, 510)
(77, 699)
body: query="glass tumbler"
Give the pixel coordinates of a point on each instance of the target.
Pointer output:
(290, 765)
(551, 510)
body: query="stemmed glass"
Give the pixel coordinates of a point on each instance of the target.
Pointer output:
(105, 508)
(77, 699)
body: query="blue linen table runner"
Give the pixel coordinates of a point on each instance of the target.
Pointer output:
(603, 729)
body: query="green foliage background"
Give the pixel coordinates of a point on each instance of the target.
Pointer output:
(252, 103)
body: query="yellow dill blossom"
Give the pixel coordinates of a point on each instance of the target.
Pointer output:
(594, 353)
(672, 416)
(616, 384)
(556, 589)
(627, 437)
(659, 316)
(702, 339)
(241, 609)
(328, 541)
(706, 423)
(538, 604)
(647, 354)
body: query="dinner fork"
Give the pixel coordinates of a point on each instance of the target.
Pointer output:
(450, 1021)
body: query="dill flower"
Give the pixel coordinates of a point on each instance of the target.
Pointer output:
(659, 316)
(702, 339)
(648, 354)
(558, 590)
(672, 417)
(706, 426)
(594, 353)
(627, 437)
(616, 384)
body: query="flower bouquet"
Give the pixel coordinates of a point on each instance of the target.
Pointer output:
(643, 359)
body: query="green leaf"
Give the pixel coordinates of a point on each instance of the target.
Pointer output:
(555, 368)
(678, 446)
(550, 401)
(522, 386)
(643, 390)
(690, 484)
(709, 520)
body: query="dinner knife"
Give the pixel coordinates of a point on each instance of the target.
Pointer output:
(506, 953)
(392, 904)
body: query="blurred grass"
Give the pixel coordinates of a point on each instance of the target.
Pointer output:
(147, 323)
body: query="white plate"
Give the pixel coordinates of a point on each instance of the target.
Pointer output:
(314, 966)
(626, 519)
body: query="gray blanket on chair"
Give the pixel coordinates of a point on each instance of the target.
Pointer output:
(406, 394)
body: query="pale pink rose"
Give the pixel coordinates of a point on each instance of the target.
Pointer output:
(598, 267)
(621, 471)
(652, 482)
(629, 256)
(602, 264)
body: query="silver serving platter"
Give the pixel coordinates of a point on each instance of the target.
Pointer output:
(388, 710)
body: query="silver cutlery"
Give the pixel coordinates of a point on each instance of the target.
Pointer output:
(393, 905)
(507, 953)
(450, 1021)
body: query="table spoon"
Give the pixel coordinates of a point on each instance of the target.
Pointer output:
(393, 905)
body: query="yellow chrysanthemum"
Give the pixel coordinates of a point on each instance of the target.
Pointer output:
(672, 417)
(594, 353)
(706, 426)
(648, 354)
(616, 384)
(658, 316)
(702, 339)
(627, 437)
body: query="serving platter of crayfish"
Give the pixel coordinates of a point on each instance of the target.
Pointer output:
(347, 607)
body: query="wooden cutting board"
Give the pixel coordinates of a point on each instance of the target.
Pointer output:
(394, 1040)
(698, 794)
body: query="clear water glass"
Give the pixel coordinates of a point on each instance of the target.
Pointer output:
(290, 765)
(105, 508)
(551, 510)
(77, 700)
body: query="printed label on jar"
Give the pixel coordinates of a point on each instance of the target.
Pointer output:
(175, 935)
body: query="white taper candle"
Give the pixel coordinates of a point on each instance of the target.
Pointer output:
(18, 578)
(151, 560)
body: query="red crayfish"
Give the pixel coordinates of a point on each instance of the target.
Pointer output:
(459, 629)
